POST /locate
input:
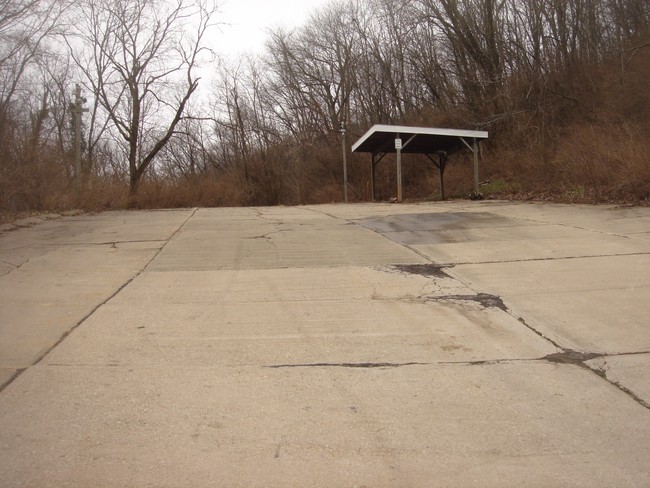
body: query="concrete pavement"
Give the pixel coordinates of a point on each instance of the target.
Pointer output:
(446, 344)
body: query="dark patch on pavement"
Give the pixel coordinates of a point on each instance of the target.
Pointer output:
(484, 299)
(569, 356)
(433, 228)
(490, 301)
(427, 270)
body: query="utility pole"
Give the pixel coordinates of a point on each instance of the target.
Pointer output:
(77, 109)
(345, 164)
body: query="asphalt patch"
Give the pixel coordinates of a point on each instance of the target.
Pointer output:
(484, 299)
(427, 270)
(569, 356)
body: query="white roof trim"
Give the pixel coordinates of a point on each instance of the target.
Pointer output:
(434, 131)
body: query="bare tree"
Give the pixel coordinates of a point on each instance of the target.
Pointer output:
(314, 71)
(187, 154)
(24, 26)
(140, 59)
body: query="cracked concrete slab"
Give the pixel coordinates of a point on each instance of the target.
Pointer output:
(288, 285)
(254, 319)
(56, 283)
(630, 370)
(52, 292)
(306, 314)
(590, 304)
(494, 250)
(454, 237)
(294, 346)
(321, 426)
(253, 243)
(19, 246)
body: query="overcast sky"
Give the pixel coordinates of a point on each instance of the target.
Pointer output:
(246, 22)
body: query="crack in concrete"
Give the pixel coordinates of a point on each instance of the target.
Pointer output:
(533, 329)
(556, 258)
(8, 263)
(16, 374)
(84, 244)
(105, 243)
(572, 358)
(602, 372)
(572, 226)
(346, 365)
(484, 299)
(268, 235)
(267, 239)
(433, 270)
(579, 358)
(111, 244)
(117, 243)
(483, 362)
(262, 216)
(566, 356)
(16, 267)
(98, 306)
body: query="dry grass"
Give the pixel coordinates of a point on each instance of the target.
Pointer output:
(594, 152)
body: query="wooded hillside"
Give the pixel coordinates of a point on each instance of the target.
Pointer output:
(561, 86)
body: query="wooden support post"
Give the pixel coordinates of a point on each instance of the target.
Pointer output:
(372, 176)
(442, 158)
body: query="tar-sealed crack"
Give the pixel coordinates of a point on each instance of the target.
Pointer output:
(569, 356)
(566, 356)
(427, 270)
(438, 271)
(579, 358)
(484, 299)
(534, 330)
(346, 365)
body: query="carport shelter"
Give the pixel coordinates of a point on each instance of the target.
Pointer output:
(430, 141)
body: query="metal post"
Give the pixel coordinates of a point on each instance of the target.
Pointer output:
(398, 149)
(475, 151)
(345, 165)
